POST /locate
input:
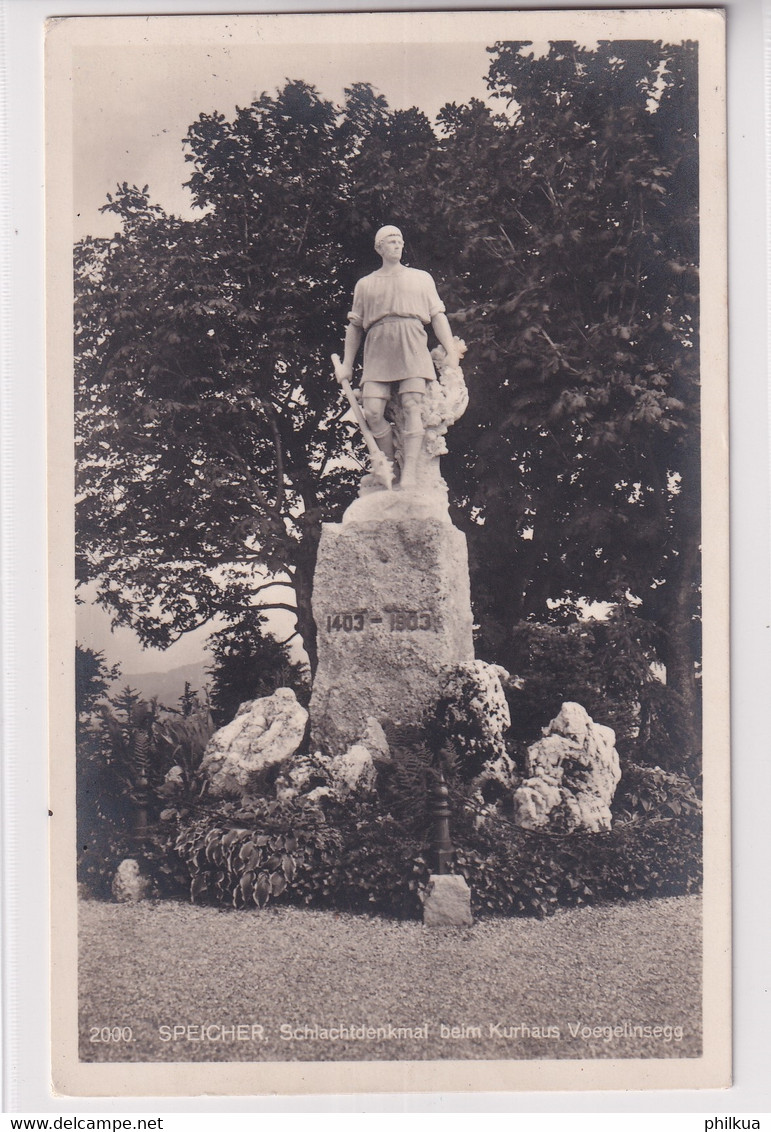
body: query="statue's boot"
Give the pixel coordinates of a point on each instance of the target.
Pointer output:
(385, 442)
(412, 442)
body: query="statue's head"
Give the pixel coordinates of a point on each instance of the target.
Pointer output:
(383, 234)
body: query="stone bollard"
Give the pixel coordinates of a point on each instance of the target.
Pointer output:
(447, 902)
(129, 886)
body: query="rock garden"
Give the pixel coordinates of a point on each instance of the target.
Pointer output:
(254, 814)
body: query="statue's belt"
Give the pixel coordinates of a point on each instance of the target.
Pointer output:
(396, 318)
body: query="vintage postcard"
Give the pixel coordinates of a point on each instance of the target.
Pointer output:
(388, 574)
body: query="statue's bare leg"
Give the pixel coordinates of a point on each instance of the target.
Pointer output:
(412, 437)
(374, 410)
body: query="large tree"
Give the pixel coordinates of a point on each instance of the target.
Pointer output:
(563, 232)
(577, 463)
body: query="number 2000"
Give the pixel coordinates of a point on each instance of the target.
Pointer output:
(111, 1034)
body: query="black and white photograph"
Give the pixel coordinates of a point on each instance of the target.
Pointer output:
(387, 428)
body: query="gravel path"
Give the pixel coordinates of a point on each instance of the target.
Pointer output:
(513, 988)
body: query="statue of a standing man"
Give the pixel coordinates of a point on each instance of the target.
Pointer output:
(391, 307)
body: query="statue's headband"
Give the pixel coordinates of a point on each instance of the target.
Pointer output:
(387, 230)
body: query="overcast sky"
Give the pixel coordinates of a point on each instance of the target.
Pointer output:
(133, 105)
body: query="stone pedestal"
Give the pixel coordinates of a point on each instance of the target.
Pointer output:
(447, 903)
(392, 606)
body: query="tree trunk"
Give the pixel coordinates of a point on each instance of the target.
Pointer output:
(680, 607)
(303, 583)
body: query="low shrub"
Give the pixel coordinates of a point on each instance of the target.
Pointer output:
(100, 855)
(646, 791)
(371, 855)
(350, 857)
(378, 869)
(250, 855)
(356, 858)
(517, 872)
(125, 748)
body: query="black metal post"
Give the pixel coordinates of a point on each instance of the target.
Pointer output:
(441, 849)
(140, 810)
(141, 786)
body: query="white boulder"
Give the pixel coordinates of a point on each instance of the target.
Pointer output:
(374, 739)
(573, 772)
(297, 777)
(353, 772)
(318, 794)
(475, 714)
(447, 902)
(128, 884)
(174, 782)
(264, 734)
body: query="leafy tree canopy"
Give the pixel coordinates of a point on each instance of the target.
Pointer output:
(562, 228)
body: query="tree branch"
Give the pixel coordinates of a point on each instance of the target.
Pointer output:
(291, 637)
(258, 492)
(278, 605)
(558, 352)
(267, 586)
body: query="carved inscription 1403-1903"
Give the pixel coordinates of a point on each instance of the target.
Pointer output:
(394, 620)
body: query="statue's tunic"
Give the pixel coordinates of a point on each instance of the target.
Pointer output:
(392, 309)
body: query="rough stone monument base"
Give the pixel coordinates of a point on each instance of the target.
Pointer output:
(392, 606)
(447, 903)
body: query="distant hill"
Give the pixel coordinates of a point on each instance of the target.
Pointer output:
(167, 686)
